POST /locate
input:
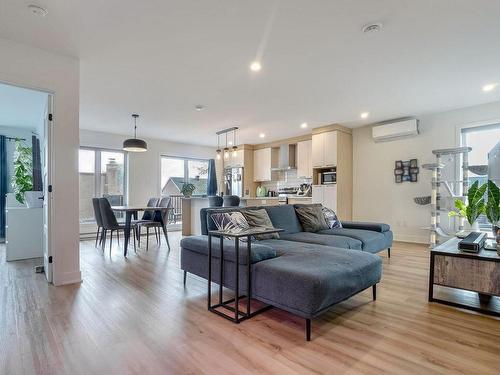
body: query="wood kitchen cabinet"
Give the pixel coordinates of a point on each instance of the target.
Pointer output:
(304, 159)
(263, 160)
(324, 149)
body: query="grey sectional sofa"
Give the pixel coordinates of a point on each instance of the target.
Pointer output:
(303, 273)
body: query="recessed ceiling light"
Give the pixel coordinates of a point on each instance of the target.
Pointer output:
(199, 107)
(37, 10)
(304, 125)
(262, 135)
(372, 27)
(365, 115)
(490, 87)
(255, 66)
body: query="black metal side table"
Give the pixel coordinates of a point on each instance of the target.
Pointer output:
(239, 316)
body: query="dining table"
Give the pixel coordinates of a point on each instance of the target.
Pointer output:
(132, 211)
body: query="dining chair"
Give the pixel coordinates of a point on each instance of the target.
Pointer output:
(215, 201)
(98, 220)
(231, 200)
(147, 216)
(110, 223)
(156, 223)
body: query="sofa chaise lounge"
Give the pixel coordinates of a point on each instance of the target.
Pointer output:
(301, 272)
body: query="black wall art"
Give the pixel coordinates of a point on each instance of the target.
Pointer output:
(406, 170)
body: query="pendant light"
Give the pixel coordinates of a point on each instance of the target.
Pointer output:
(218, 148)
(226, 150)
(135, 144)
(235, 148)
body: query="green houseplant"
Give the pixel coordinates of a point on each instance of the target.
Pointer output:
(187, 189)
(493, 207)
(22, 179)
(474, 207)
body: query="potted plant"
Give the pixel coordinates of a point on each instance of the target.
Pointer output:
(22, 179)
(493, 207)
(187, 189)
(474, 207)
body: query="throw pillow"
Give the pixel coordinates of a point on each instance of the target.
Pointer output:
(260, 218)
(311, 218)
(331, 218)
(234, 222)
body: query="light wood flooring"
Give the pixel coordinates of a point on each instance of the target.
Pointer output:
(133, 316)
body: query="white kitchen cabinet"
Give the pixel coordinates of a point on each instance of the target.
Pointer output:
(304, 159)
(325, 195)
(330, 196)
(262, 164)
(324, 149)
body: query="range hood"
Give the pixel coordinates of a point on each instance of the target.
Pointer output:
(286, 158)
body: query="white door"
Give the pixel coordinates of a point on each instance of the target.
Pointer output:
(47, 188)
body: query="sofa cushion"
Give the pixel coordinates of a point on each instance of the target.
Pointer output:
(377, 227)
(373, 242)
(331, 240)
(259, 218)
(284, 217)
(311, 218)
(199, 244)
(308, 282)
(331, 218)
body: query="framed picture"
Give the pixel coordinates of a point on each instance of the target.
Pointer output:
(414, 170)
(406, 163)
(414, 177)
(406, 177)
(399, 179)
(399, 164)
(398, 172)
(413, 163)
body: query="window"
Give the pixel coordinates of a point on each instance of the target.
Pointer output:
(177, 171)
(481, 139)
(102, 173)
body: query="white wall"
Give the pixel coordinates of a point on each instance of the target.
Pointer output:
(378, 198)
(34, 68)
(144, 167)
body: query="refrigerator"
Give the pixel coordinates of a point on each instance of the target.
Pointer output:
(233, 178)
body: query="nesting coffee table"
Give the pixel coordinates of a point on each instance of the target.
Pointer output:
(477, 272)
(237, 316)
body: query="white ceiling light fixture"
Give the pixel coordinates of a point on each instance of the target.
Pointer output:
(364, 115)
(304, 125)
(371, 28)
(255, 66)
(262, 135)
(38, 10)
(490, 87)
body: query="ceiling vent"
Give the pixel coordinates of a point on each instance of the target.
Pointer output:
(395, 130)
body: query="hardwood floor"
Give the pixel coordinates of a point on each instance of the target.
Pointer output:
(133, 316)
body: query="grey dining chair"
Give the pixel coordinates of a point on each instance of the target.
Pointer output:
(156, 223)
(147, 217)
(98, 220)
(231, 200)
(215, 201)
(110, 223)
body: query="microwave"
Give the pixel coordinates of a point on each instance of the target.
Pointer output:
(328, 178)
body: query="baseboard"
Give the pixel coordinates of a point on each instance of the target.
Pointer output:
(413, 238)
(67, 278)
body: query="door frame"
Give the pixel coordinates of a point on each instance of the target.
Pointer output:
(51, 169)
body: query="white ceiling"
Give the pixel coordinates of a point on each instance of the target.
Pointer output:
(160, 58)
(21, 108)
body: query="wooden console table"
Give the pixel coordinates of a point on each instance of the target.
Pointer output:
(454, 268)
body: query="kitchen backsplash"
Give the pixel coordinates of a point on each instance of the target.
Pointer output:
(285, 179)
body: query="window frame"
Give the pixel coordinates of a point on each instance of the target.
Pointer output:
(97, 170)
(186, 169)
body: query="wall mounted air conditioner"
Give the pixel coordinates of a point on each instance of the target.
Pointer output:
(395, 130)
